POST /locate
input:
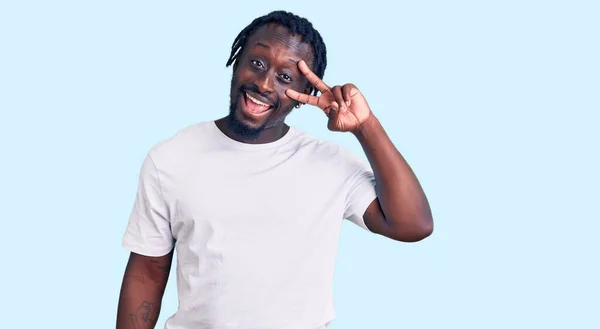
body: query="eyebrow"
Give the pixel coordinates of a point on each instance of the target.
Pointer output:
(260, 44)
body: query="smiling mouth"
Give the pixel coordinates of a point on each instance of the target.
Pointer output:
(255, 106)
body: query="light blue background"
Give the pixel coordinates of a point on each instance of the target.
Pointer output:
(493, 103)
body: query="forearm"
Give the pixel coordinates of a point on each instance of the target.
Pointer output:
(142, 290)
(402, 199)
(139, 302)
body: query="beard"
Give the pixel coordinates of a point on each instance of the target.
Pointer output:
(237, 126)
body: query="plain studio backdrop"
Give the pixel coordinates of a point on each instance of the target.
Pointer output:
(493, 103)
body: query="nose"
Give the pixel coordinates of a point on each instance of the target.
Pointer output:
(265, 83)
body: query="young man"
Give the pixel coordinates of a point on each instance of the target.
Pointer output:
(253, 206)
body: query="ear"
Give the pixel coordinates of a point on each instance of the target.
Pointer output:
(308, 90)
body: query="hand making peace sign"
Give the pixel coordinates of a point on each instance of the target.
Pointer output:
(345, 105)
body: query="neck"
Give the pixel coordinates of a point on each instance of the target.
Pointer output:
(268, 135)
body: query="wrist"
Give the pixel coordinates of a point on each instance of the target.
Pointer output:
(370, 124)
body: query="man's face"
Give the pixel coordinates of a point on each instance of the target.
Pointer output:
(264, 70)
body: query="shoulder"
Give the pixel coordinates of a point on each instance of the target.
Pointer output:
(182, 142)
(327, 150)
(315, 146)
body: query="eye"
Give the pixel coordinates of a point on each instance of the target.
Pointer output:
(257, 63)
(286, 77)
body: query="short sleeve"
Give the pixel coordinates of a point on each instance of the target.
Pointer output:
(360, 190)
(149, 231)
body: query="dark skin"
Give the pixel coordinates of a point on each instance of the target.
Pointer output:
(267, 67)
(274, 67)
(142, 290)
(401, 211)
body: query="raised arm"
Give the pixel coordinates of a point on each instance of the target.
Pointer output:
(142, 291)
(401, 210)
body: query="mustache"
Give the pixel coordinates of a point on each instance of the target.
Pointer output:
(254, 89)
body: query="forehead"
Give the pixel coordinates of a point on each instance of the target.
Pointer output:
(280, 42)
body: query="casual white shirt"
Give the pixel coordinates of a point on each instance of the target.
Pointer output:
(255, 226)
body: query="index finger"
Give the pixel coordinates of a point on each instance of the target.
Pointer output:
(313, 78)
(302, 98)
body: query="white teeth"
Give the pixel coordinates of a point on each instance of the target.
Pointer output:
(256, 101)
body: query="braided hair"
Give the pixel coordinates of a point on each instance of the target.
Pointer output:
(296, 25)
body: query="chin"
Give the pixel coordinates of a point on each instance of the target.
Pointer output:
(241, 126)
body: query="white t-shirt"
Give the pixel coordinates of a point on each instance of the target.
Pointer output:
(255, 226)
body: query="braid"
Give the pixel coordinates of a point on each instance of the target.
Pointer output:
(296, 25)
